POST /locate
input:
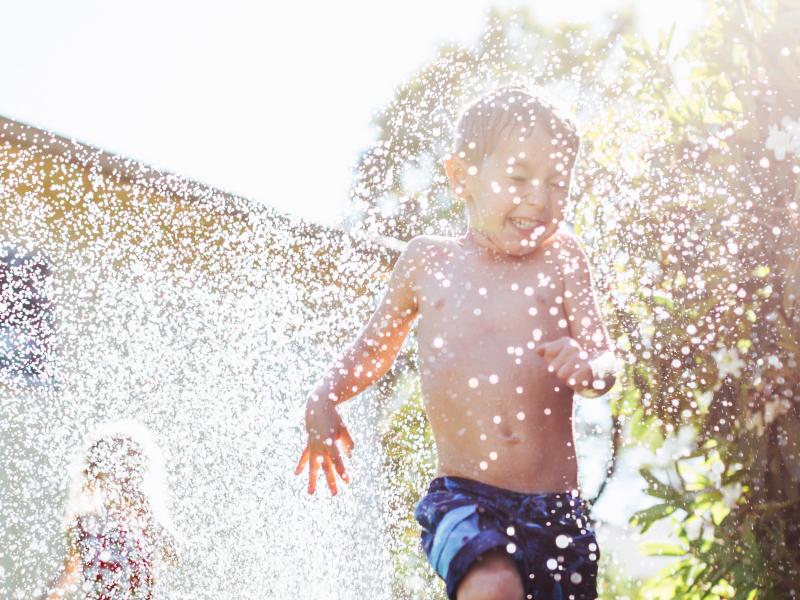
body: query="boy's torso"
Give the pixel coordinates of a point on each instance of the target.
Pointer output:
(497, 415)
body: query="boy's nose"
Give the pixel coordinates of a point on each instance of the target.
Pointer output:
(535, 195)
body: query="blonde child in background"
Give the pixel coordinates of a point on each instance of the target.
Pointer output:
(118, 530)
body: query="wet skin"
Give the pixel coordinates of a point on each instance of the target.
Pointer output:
(507, 323)
(497, 414)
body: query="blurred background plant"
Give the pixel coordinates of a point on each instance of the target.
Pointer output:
(686, 199)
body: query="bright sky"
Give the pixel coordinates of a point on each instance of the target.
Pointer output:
(269, 100)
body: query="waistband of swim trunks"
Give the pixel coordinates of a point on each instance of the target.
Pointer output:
(560, 502)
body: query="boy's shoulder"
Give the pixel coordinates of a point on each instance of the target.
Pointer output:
(425, 247)
(431, 240)
(566, 244)
(565, 252)
(570, 258)
(563, 244)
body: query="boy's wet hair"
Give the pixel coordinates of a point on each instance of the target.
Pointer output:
(489, 118)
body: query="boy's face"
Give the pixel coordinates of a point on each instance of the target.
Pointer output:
(516, 197)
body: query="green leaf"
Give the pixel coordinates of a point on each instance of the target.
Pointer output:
(662, 298)
(719, 511)
(645, 518)
(660, 490)
(663, 549)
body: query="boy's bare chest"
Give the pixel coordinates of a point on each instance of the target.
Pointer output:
(458, 295)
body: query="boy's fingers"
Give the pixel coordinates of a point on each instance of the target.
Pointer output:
(569, 368)
(302, 462)
(561, 359)
(327, 467)
(347, 441)
(336, 458)
(567, 358)
(313, 469)
(548, 350)
(338, 463)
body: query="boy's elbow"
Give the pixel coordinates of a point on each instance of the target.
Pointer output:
(375, 358)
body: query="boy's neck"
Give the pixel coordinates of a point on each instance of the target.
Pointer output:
(479, 242)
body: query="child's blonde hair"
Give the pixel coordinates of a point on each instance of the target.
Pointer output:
(120, 466)
(485, 121)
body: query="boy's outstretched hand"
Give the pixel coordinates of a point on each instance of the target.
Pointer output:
(325, 428)
(568, 361)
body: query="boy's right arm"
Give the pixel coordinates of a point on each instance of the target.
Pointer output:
(363, 363)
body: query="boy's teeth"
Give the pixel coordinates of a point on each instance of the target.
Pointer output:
(525, 223)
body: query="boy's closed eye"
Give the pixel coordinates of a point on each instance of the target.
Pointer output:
(553, 184)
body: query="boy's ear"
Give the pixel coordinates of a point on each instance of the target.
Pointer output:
(456, 173)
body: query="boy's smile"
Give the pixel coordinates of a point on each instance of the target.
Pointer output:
(516, 196)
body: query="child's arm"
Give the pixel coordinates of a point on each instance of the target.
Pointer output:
(364, 362)
(67, 580)
(583, 359)
(166, 542)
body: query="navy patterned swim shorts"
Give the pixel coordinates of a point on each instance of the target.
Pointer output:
(547, 536)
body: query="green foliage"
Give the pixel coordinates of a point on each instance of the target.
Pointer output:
(410, 464)
(710, 344)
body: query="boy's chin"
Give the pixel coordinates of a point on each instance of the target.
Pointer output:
(518, 249)
(523, 247)
(515, 247)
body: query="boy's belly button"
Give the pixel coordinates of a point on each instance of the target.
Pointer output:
(504, 434)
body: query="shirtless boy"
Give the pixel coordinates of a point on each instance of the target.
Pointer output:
(509, 330)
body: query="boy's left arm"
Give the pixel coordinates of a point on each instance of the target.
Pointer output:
(584, 359)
